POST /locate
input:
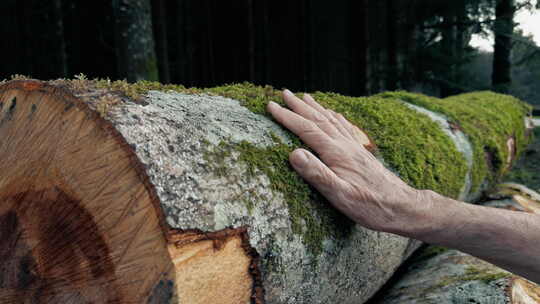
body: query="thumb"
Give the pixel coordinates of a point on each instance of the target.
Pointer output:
(315, 172)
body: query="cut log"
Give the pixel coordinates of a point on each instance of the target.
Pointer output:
(181, 197)
(440, 275)
(78, 215)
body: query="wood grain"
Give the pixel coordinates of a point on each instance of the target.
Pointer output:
(79, 222)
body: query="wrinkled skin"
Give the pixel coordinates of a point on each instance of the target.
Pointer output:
(357, 184)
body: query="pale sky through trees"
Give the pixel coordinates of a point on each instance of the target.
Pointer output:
(528, 21)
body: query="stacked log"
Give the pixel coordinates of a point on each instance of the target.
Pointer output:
(116, 192)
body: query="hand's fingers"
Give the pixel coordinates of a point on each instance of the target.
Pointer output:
(353, 130)
(331, 115)
(323, 121)
(340, 125)
(316, 173)
(360, 136)
(310, 101)
(306, 129)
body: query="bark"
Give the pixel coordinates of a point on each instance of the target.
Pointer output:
(503, 29)
(440, 275)
(135, 54)
(140, 200)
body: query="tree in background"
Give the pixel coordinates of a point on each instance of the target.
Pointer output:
(526, 69)
(503, 30)
(159, 20)
(33, 33)
(135, 54)
(354, 47)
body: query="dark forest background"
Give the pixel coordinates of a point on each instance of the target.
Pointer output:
(354, 47)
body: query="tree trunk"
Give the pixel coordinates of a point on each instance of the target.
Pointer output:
(503, 30)
(359, 19)
(446, 276)
(159, 20)
(181, 30)
(56, 54)
(135, 54)
(252, 39)
(448, 49)
(10, 31)
(392, 21)
(170, 197)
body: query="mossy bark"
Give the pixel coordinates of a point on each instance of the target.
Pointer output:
(135, 40)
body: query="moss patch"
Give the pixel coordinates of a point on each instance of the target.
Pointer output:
(487, 118)
(411, 143)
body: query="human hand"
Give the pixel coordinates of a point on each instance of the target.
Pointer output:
(347, 174)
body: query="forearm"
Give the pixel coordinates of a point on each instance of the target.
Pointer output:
(508, 239)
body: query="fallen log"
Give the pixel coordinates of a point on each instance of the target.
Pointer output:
(112, 192)
(440, 275)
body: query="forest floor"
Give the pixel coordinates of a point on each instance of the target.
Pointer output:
(527, 169)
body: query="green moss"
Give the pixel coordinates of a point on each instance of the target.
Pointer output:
(411, 143)
(475, 274)
(136, 90)
(487, 118)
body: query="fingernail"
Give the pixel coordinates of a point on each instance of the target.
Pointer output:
(300, 159)
(273, 104)
(286, 91)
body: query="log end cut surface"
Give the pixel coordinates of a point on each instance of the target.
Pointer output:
(216, 267)
(78, 221)
(524, 292)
